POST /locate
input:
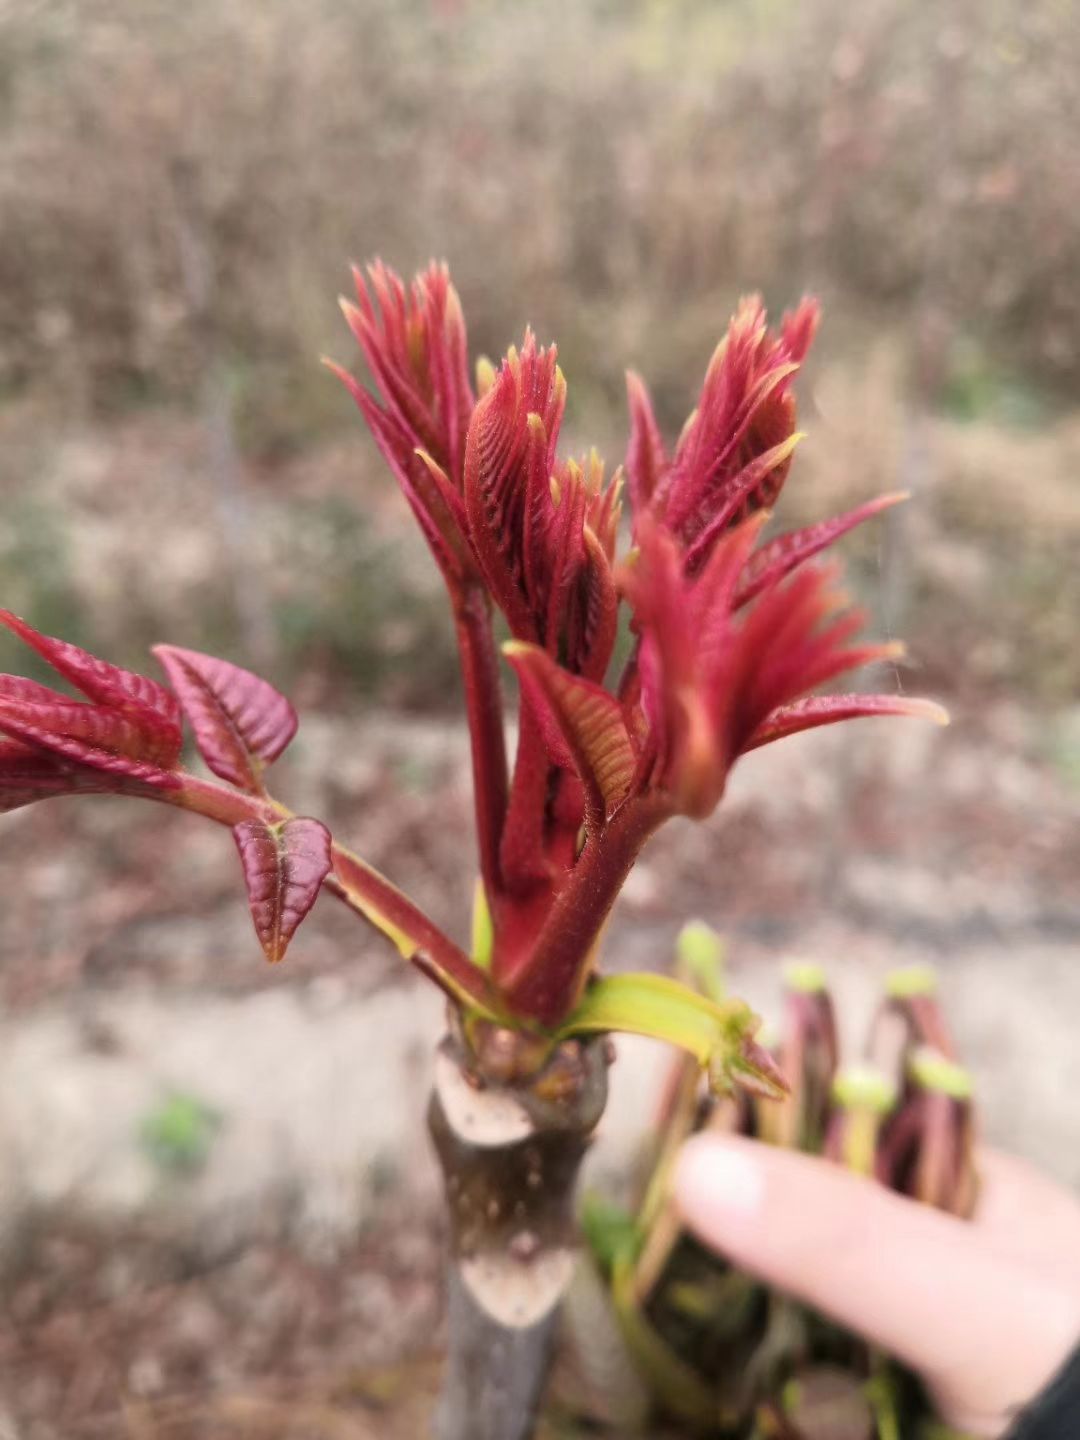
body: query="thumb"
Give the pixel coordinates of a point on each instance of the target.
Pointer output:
(985, 1330)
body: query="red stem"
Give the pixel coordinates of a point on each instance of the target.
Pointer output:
(220, 803)
(483, 703)
(419, 939)
(552, 975)
(366, 892)
(521, 851)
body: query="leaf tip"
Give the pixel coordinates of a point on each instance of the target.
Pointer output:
(699, 953)
(751, 1067)
(806, 977)
(861, 1086)
(911, 981)
(933, 1071)
(485, 375)
(928, 710)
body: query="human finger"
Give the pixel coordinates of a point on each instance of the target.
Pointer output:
(985, 1329)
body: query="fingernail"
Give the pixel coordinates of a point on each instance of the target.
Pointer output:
(715, 1178)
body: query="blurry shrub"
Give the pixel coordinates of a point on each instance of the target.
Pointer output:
(177, 184)
(180, 189)
(350, 596)
(35, 570)
(352, 604)
(1065, 747)
(975, 388)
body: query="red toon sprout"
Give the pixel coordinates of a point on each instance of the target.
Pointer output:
(731, 640)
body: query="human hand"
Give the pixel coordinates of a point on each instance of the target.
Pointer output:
(984, 1311)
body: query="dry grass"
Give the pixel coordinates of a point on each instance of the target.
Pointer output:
(180, 188)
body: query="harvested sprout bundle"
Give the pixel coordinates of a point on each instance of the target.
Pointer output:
(708, 1347)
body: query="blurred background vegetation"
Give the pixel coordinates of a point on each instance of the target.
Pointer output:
(182, 187)
(202, 1159)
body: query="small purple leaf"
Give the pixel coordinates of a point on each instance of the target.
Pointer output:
(154, 708)
(284, 868)
(240, 721)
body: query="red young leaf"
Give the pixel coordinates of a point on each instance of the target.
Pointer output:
(582, 600)
(17, 689)
(87, 734)
(445, 510)
(829, 709)
(768, 566)
(240, 721)
(739, 497)
(685, 658)
(414, 341)
(437, 506)
(734, 452)
(713, 684)
(717, 444)
(416, 347)
(646, 461)
(589, 721)
(284, 868)
(593, 612)
(509, 459)
(799, 326)
(28, 774)
(147, 703)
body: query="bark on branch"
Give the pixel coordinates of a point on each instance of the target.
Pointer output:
(510, 1154)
